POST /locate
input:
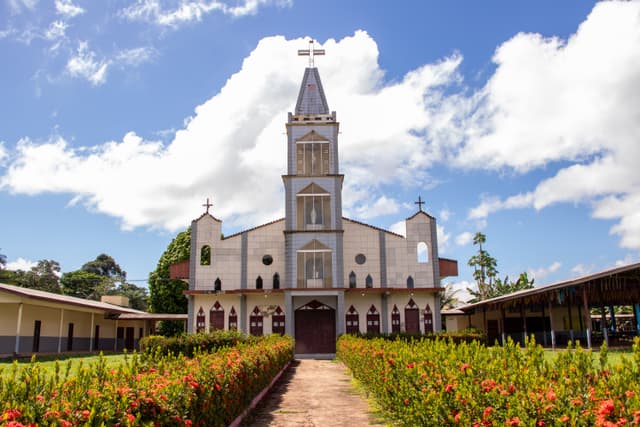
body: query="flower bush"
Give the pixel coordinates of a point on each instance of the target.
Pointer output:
(210, 389)
(191, 344)
(437, 382)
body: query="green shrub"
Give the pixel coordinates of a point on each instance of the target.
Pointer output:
(191, 344)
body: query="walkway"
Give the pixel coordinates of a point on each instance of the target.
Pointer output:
(313, 393)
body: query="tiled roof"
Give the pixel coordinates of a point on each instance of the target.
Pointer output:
(311, 98)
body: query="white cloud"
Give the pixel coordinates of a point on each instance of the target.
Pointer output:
(399, 227)
(461, 287)
(84, 64)
(187, 11)
(445, 214)
(67, 9)
(542, 272)
(56, 30)
(18, 6)
(574, 101)
(136, 56)
(3, 153)
(582, 269)
(443, 239)
(464, 238)
(20, 264)
(233, 150)
(628, 259)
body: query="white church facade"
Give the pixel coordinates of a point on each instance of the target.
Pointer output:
(314, 274)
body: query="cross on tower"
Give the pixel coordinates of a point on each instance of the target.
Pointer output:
(311, 52)
(207, 205)
(420, 203)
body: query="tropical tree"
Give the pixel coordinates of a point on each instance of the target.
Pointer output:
(138, 297)
(104, 265)
(166, 295)
(448, 298)
(484, 269)
(84, 284)
(43, 276)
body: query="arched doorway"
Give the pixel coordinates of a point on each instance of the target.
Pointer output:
(412, 318)
(315, 328)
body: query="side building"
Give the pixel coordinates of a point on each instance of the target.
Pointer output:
(314, 274)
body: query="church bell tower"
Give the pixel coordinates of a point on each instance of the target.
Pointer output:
(313, 189)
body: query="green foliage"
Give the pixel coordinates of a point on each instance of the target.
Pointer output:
(44, 277)
(105, 265)
(485, 274)
(191, 344)
(137, 295)
(210, 389)
(84, 284)
(438, 383)
(165, 295)
(3, 261)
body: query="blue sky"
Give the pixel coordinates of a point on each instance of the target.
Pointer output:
(517, 119)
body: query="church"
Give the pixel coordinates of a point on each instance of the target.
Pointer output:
(314, 274)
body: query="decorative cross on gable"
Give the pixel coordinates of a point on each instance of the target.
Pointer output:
(420, 203)
(311, 52)
(207, 205)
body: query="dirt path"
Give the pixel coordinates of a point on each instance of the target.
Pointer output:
(313, 393)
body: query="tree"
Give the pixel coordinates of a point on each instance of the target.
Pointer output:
(137, 295)
(44, 276)
(485, 274)
(484, 269)
(448, 299)
(165, 295)
(105, 265)
(84, 284)
(3, 261)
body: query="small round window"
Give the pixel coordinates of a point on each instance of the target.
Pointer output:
(361, 259)
(267, 260)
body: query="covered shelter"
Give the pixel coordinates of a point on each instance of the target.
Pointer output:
(560, 312)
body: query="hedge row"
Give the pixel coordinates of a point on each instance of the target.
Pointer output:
(457, 337)
(441, 383)
(191, 344)
(207, 390)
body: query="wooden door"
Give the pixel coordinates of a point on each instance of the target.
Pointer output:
(128, 338)
(412, 320)
(315, 329)
(36, 336)
(256, 322)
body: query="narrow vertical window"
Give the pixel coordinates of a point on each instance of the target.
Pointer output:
(200, 321)
(259, 283)
(352, 280)
(217, 285)
(276, 281)
(369, 281)
(205, 255)
(423, 252)
(410, 282)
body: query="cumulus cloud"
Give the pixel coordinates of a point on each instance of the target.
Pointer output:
(18, 6)
(153, 11)
(464, 238)
(443, 239)
(568, 102)
(582, 269)
(67, 9)
(20, 264)
(233, 150)
(399, 228)
(85, 64)
(136, 56)
(542, 272)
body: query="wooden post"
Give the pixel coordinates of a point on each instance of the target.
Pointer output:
(18, 329)
(612, 313)
(553, 334)
(603, 321)
(503, 318)
(524, 325)
(544, 328)
(570, 316)
(60, 330)
(586, 315)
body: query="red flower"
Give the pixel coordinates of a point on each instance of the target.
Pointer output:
(85, 414)
(391, 361)
(448, 387)
(10, 415)
(464, 367)
(487, 412)
(551, 395)
(606, 407)
(515, 421)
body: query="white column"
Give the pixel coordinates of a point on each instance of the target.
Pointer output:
(60, 330)
(18, 328)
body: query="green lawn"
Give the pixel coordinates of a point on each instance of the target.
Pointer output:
(614, 357)
(72, 363)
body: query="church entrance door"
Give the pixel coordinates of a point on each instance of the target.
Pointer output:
(315, 329)
(412, 318)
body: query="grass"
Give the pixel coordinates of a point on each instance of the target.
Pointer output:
(614, 357)
(72, 363)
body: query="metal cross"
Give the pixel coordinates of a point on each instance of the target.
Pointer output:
(311, 52)
(207, 205)
(420, 203)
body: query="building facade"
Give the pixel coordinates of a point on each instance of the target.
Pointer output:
(314, 274)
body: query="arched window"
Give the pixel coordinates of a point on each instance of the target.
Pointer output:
(233, 319)
(410, 282)
(277, 321)
(313, 205)
(255, 322)
(314, 266)
(373, 320)
(352, 280)
(205, 255)
(428, 320)
(216, 317)
(259, 283)
(395, 320)
(217, 285)
(368, 281)
(423, 252)
(312, 155)
(276, 281)
(200, 321)
(353, 322)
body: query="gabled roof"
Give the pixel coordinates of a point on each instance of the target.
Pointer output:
(311, 98)
(206, 214)
(420, 212)
(65, 299)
